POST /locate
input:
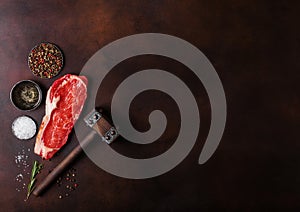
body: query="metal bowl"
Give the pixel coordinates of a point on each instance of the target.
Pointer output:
(45, 60)
(26, 95)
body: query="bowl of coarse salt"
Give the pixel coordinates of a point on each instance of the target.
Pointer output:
(24, 127)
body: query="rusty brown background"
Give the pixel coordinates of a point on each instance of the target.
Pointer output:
(253, 45)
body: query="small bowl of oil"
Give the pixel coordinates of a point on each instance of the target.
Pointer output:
(26, 95)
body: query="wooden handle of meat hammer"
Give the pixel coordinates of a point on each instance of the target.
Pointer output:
(63, 165)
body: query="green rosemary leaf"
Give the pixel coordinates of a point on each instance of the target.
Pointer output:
(36, 168)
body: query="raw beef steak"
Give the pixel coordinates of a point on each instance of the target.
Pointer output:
(64, 102)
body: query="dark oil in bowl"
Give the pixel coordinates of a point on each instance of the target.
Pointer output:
(26, 95)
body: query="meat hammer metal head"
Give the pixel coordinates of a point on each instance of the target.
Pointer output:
(96, 121)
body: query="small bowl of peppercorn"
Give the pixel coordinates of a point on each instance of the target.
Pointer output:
(45, 60)
(26, 95)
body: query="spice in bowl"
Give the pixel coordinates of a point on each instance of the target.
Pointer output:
(45, 60)
(24, 127)
(26, 95)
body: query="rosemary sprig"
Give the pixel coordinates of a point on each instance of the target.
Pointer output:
(35, 170)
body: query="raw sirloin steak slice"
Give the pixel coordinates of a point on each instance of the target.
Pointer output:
(64, 102)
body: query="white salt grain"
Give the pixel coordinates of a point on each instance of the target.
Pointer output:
(24, 127)
(21, 160)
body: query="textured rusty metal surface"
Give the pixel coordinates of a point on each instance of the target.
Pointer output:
(254, 47)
